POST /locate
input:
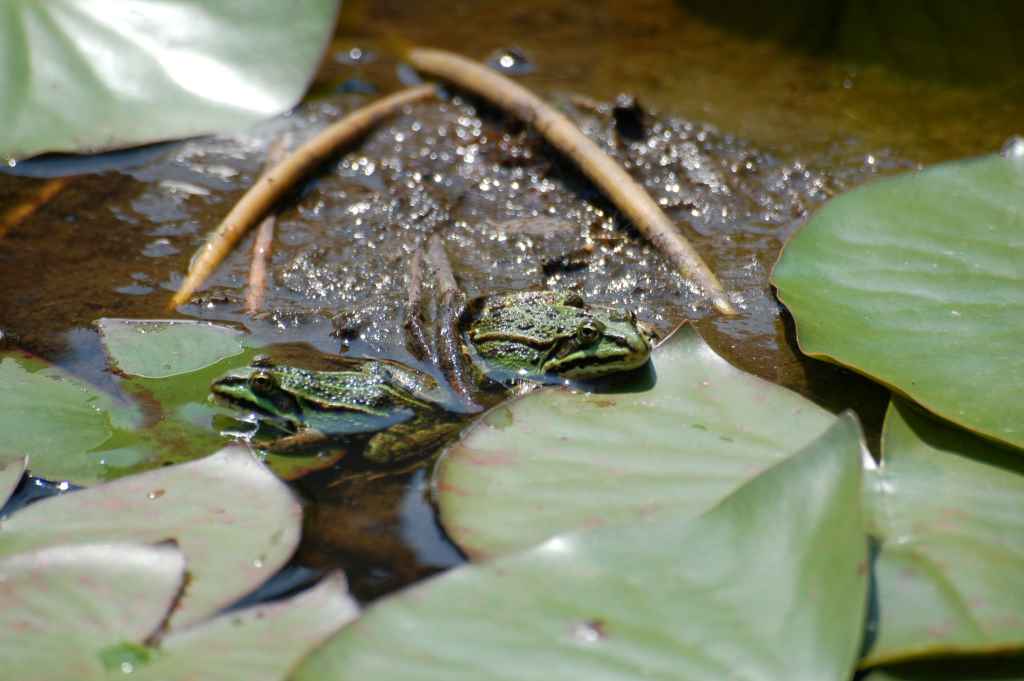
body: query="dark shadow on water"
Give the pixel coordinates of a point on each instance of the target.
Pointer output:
(63, 165)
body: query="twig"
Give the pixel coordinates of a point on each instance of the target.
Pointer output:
(450, 309)
(417, 340)
(282, 177)
(22, 211)
(263, 246)
(560, 132)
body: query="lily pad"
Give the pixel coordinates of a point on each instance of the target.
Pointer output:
(162, 348)
(236, 523)
(917, 282)
(55, 419)
(12, 467)
(949, 509)
(83, 76)
(770, 584)
(556, 460)
(262, 643)
(62, 607)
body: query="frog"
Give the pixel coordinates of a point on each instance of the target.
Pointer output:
(399, 410)
(486, 348)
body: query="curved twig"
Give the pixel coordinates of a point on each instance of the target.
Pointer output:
(275, 183)
(560, 132)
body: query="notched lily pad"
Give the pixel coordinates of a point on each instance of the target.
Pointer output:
(917, 282)
(555, 461)
(262, 643)
(770, 584)
(949, 509)
(12, 467)
(162, 348)
(84, 76)
(234, 520)
(61, 607)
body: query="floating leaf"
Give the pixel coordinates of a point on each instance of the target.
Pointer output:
(770, 584)
(12, 467)
(917, 282)
(82, 76)
(162, 348)
(236, 523)
(949, 508)
(262, 643)
(55, 419)
(555, 461)
(64, 609)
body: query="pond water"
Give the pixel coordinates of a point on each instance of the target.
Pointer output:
(738, 134)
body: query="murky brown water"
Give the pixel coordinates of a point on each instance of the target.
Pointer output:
(739, 140)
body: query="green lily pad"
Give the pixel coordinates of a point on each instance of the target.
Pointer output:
(917, 282)
(55, 419)
(770, 584)
(63, 607)
(949, 509)
(85, 76)
(236, 523)
(12, 467)
(162, 348)
(262, 643)
(555, 460)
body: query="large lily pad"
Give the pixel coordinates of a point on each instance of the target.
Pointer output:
(12, 467)
(63, 607)
(162, 348)
(78, 75)
(770, 584)
(555, 461)
(917, 282)
(262, 643)
(236, 523)
(55, 419)
(949, 509)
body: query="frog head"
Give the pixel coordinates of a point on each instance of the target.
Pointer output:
(266, 392)
(554, 334)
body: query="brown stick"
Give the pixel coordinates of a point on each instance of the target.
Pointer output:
(282, 177)
(560, 132)
(451, 307)
(24, 210)
(263, 246)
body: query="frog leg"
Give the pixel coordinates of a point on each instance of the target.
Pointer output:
(403, 441)
(451, 308)
(301, 442)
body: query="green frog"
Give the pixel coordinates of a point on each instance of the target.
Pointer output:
(502, 341)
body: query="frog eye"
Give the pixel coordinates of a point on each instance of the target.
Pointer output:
(262, 382)
(590, 331)
(262, 361)
(573, 300)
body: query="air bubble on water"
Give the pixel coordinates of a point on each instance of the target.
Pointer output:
(511, 61)
(1014, 148)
